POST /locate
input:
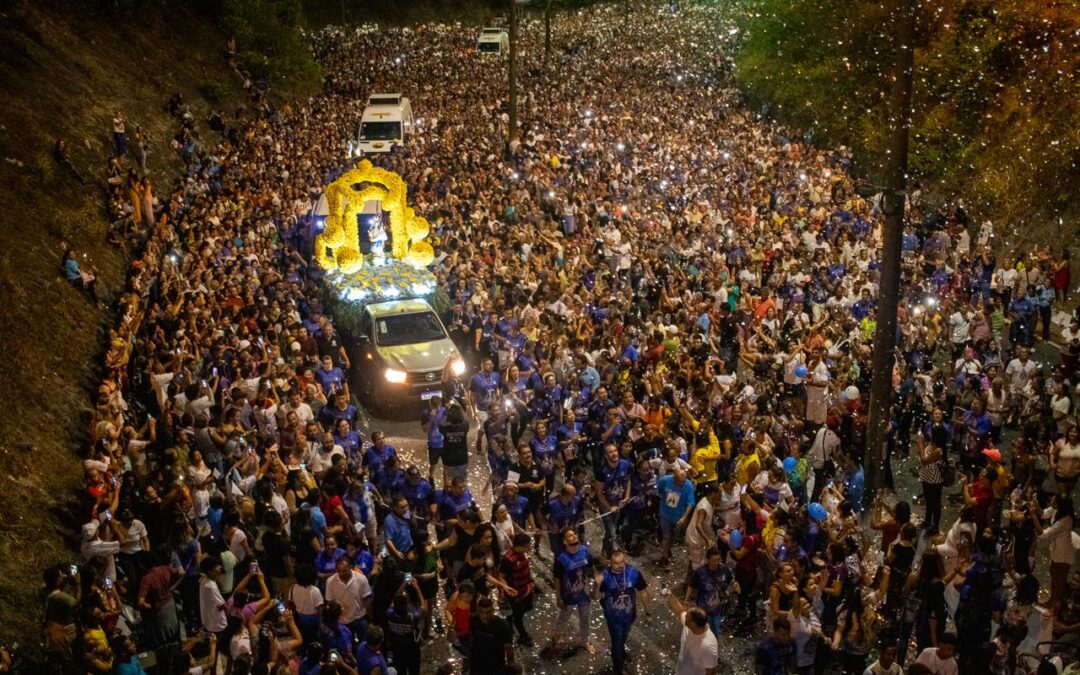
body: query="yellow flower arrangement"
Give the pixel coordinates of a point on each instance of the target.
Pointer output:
(338, 246)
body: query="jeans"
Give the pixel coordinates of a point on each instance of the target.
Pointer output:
(518, 610)
(619, 631)
(611, 528)
(583, 620)
(359, 628)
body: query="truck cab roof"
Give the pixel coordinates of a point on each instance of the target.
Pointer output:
(406, 306)
(384, 99)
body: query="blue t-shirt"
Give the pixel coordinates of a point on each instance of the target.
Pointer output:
(674, 499)
(614, 480)
(368, 660)
(709, 587)
(619, 593)
(332, 380)
(544, 453)
(572, 570)
(432, 419)
(563, 515)
(398, 532)
(375, 458)
(484, 388)
(517, 508)
(419, 496)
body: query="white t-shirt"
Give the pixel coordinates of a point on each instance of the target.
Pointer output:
(960, 326)
(697, 653)
(133, 542)
(307, 600)
(929, 658)
(1020, 373)
(693, 532)
(211, 607)
(351, 595)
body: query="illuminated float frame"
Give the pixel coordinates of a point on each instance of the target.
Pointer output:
(337, 247)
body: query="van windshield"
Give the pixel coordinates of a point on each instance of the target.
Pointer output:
(380, 131)
(489, 47)
(406, 329)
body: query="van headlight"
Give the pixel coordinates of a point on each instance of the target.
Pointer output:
(395, 376)
(457, 367)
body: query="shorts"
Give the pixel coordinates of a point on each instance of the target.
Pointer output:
(451, 472)
(434, 455)
(668, 527)
(697, 555)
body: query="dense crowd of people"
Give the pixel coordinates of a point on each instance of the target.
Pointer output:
(668, 308)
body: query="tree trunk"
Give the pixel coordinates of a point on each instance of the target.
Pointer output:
(894, 199)
(547, 32)
(512, 132)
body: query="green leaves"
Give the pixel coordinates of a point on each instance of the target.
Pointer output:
(996, 117)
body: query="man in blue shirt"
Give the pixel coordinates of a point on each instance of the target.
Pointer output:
(377, 454)
(369, 658)
(420, 495)
(483, 389)
(862, 307)
(398, 530)
(676, 504)
(331, 378)
(612, 489)
(562, 512)
(572, 569)
(709, 586)
(621, 586)
(590, 379)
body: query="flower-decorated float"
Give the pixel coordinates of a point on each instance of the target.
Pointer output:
(396, 263)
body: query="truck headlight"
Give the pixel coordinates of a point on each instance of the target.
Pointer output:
(457, 367)
(395, 376)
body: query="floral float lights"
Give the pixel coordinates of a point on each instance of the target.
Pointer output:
(355, 278)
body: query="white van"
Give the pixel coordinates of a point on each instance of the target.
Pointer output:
(387, 119)
(493, 41)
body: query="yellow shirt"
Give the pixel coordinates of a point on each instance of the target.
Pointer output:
(747, 467)
(704, 459)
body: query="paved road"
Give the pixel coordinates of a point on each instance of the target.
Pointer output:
(654, 640)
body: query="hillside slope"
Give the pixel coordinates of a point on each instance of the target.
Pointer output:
(63, 74)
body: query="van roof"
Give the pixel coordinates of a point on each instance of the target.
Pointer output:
(406, 306)
(382, 97)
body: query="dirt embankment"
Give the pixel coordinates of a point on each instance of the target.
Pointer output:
(64, 72)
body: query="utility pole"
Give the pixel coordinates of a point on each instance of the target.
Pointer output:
(547, 32)
(512, 132)
(899, 113)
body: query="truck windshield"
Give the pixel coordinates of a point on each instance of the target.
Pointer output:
(407, 329)
(489, 47)
(380, 131)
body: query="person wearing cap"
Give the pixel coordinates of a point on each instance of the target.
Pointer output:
(98, 551)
